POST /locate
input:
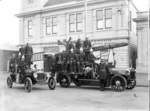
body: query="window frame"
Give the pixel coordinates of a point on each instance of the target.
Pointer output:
(51, 25)
(46, 26)
(54, 25)
(108, 18)
(103, 19)
(78, 22)
(97, 20)
(75, 22)
(72, 23)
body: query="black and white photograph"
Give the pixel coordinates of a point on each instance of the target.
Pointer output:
(74, 55)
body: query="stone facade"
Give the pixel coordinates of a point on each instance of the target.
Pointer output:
(143, 38)
(38, 11)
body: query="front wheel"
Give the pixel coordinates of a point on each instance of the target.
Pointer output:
(9, 82)
(52, 83)
(28, 84)
(131, 84)
(118, 83)
(65, 81)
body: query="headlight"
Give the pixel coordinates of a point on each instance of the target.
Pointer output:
(128, 71)
(35, 75)
(48, 74)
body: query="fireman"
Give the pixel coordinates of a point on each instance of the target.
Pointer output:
(102, 71)
(86, 46)
(71, 60)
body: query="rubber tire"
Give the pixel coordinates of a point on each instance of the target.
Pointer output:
(131, 86)
(68, 79)
(123, 87)
(10, 84)
(29, 83)
(52, 83)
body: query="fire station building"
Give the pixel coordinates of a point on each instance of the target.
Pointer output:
(43, 22)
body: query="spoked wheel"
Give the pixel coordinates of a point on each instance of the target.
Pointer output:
(77, 83)
(118, 83)
(65, 81)
(9, 82)
(131, 84)
(28, 84)
(52, 83)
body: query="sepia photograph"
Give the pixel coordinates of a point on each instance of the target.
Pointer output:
(74, 55)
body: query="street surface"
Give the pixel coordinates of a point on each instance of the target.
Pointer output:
(71, 99)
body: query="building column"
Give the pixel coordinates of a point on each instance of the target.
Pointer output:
(139, 30)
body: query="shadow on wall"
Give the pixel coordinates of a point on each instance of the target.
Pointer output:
(5, 55)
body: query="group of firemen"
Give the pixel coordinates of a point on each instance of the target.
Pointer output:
(78, 57)
(22, 58)
(75, 56)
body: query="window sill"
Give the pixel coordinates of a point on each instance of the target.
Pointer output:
(103, 30)
(71, 33)
(53, 35)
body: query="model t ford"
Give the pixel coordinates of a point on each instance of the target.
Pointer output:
(89, 70)
(21, 73)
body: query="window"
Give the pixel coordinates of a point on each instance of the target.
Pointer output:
(108, 18)
(30, 28)
(100, 22)
(48, 28)
(72, 23)
(104, 22)
(75, 22)
(54, 25)
(51, 25)
(79, 22)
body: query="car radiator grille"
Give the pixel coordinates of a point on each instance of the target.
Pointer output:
(41, 76)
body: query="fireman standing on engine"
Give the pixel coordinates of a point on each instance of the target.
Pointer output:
(78, 45)
(22, 50)
(86, 46)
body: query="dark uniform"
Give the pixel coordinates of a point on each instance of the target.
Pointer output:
(78, 45)
(22, 51)
(64, 61)
(86, 47)
(102, 71)
(12, 64)
(71, 61)
(28, 55)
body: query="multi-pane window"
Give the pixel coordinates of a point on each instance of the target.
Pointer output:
(100, 21)
(54, 25)
(79, 22)
(48, 26)
(75, 22)
(51, 25)
(108, 18)
(72, 23)
(104, 19)
(30, 28)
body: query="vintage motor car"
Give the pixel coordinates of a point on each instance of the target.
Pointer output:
(31, 76)
(89, 75)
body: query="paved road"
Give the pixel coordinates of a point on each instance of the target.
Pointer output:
(71, 99)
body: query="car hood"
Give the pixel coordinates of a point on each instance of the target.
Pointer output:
(117, 71)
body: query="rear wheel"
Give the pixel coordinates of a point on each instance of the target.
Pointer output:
(131, 84)
(52, 83)
(28, 84)
(118, 83)
(9, 82)
(65, 81)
